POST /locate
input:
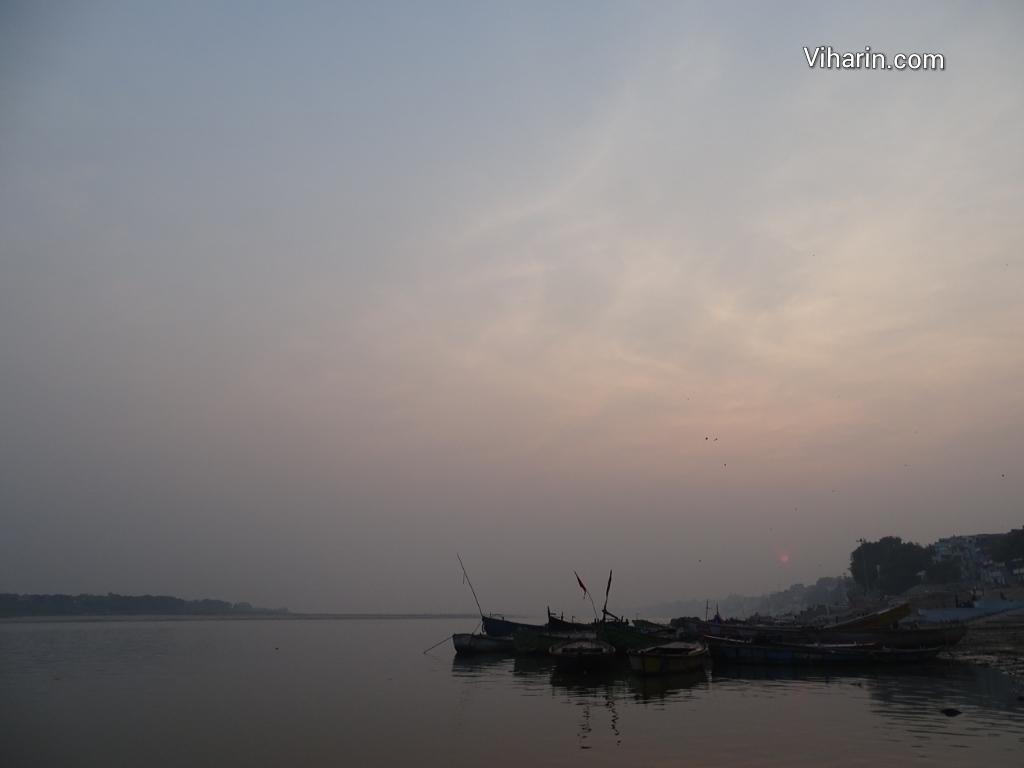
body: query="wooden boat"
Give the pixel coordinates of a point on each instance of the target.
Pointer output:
(499, 626)
(904, 637)
(495, 626)
(887, 617)
(750, 652)
(582, 654)
(651, 625)
(616, 630)
(470, 643)
(925, 637)
(668, 658)
(561, 624)
(625, 638)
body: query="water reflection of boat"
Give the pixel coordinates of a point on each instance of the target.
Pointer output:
(582, 653)
(594, 692)
(853, 674)
(663, 659)
(578, 681)
(479, 665)
(662, 686)
(537, 666)
(911, 693)
(772, 652)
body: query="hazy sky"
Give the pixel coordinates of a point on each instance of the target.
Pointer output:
(298, 300)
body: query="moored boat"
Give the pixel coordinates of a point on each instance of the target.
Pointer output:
(499, 626)
(471, 643)
(625, 638)
(495, 626)
(903, 637)
(767, 652)
(561, 624)
(887, 617)
(667, 658)
(582, 654)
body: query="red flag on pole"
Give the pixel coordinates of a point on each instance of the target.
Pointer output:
(582, 586)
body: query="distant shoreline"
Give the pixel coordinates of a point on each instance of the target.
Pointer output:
(80, 619)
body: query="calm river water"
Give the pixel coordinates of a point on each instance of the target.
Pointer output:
(360, 692)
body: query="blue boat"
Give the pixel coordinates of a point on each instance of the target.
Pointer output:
(751, 652)
(499, 626)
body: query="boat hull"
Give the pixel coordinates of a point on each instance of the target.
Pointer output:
(743, 652)
(467, 644)
(669, 658)
(582, 654)
(878, 620)
(908, 638)
(498, 626)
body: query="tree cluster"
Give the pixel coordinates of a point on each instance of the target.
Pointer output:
(891, 565)
(1010, 549)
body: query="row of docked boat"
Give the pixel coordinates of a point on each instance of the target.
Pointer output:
(689, 643)
(582, 651)
(651, 648)
(879, 631)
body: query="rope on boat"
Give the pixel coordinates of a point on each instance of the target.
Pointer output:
(437, 644)
(479, 624)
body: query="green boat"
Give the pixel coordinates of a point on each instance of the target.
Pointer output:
(626, 638)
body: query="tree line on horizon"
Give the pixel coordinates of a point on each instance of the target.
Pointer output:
(122, 605)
